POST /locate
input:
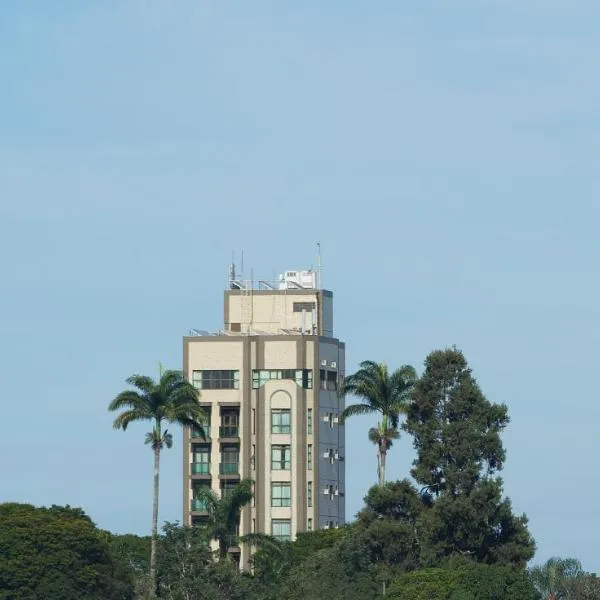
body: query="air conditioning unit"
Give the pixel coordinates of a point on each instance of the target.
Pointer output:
(326, 454)
(326, 526)
(336, 456)
(326, 418)
(333, 364)
(336, 419)
(336, 492)
(325, 491)
(323, 362)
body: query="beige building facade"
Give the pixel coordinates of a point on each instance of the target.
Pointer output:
(269, 382)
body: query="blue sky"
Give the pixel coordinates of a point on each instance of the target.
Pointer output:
(445, 155)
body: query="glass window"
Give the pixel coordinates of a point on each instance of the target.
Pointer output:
(281, 529)
(201, 461)
(323, 379)
(309, 493)
(281, 494)
(230, 457)
(309, 457)
(281, 420)
(204, 420)
(309, 421)
(332, 380)
(281, 458)
(302, 377)
(216, 380)
(309, 526)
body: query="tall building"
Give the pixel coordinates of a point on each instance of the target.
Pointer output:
(269, 382)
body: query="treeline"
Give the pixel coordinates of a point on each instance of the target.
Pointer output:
(447, 534)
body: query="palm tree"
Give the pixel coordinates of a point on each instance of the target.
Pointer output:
(552, 579)
(170, 400)
(224, 514)
(383, 438)
(380, 393)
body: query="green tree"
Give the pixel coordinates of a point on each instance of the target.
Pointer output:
(554, 579)
(456, 433)
(222, 524)
(170, 400)
(380, 393)
(56, 553)
(468, 582)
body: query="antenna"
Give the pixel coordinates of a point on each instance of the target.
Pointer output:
(242, 265)
(319, 267)
(232, 268)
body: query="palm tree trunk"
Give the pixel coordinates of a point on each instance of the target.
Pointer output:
(383, 455)
(154, 539)
(379, 466)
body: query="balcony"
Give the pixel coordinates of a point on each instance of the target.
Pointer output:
(229, 432)
(229, 469)
(201, 469)
(198, 505)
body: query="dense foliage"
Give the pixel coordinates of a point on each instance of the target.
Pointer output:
(57, 553)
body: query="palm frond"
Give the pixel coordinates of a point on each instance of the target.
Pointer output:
(129, 416)
(142, 383)
(263, 542)
(238, 498)
(356, 409)
(208, 497)
(130, 399)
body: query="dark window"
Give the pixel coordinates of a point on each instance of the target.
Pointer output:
(236, 327)
(331, 380)
(323, 379)
(216, 380)
(300, 306)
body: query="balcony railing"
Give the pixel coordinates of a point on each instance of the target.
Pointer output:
(229, 431)
(199, 505)
(196, 433)
(200, 468)
(229, 468)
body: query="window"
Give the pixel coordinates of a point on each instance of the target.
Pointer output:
(216, 380)
(281, 458)
(281, 529)
(229, 424)
(227, 487)
(201, 458)
(199, 504)
(306, 306)
(309, 421)
(280, 420)
(309, 525)
(323, 379)
(230, 457)
(309, 456)
(309, 492)
(281, 494)
(332, 380)
(330, 418)
(205, 422)
(302, 377)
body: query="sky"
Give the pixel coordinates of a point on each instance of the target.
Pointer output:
(445, 155)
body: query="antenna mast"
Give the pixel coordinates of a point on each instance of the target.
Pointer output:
(319, 267)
